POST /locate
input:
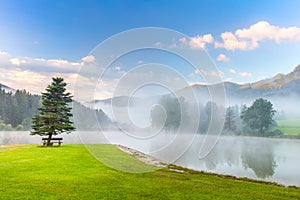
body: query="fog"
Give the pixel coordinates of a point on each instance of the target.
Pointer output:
(266, 159)
(192, 146)
(287, 106)
(187, 130)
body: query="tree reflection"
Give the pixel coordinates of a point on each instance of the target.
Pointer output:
(259, 158)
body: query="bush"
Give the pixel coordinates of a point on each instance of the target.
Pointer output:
(277, 133)
(8, 127)
(19, 128)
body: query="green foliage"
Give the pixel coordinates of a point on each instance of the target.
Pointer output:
(264, 165)
(230, 124)
(290, 127)
(15, 107)
(89, 119)
(8, 127)
(26, 123)
(175, 111)
(209, 116)
(258, 117)
(19, 128)
(54, 115)
(75, 174)
(2, 124)
(27, 107)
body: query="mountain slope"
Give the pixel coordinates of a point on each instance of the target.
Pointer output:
(280, 86)
(277, 87)
(277, 81)
(6, 88)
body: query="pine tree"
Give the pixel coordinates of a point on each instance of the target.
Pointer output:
(229, 124)
(55, 113)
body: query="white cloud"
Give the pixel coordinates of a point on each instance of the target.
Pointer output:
(89, 59)
(249, 38)
(264, 30)
(61, 63)
(232, 71)
(212, 73)
(246, 74)
(32, 81)
(117, 68)
(217, 73)
(34, 74)
(228, 79)
(197, 71)
(231, 42)
(3, 53)
(183, 40)
(17, 61)
(157, 44)
(198, 42)
(222, 57)
(140, 62)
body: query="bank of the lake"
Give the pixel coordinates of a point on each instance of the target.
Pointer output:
(278, 159)
(70, 172)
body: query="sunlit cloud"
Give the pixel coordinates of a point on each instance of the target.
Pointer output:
(212, 73)
(264, 30)
(223, 58)
(246, 74)
(249, 38)
(231, 42)
(17, 61)
(3, 53)
(197, 42)
(34, 74)
(89, 59)
(228, 79)
(232, 71)
(117, 68)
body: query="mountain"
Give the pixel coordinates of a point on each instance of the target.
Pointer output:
(6, 88)
(278, 89)
(120, 101)
(280, 86)
(277, 81)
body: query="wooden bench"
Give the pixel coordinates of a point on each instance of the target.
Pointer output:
(52, 141)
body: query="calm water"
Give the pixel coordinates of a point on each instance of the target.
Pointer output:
(267, 159)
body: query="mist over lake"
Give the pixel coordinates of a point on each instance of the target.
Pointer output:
(266, 159)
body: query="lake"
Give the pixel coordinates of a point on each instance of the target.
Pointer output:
(276, 160)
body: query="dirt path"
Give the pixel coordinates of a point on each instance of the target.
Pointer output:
(143, 157)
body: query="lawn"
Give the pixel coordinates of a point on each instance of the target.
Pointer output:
(70, 172)
(289, 126)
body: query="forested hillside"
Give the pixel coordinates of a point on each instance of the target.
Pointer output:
(18, 108)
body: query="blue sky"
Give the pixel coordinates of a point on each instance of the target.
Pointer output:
(62, 33)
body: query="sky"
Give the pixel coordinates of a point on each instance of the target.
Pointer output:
(246, 40)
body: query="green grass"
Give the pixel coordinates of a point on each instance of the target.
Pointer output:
(70, 172)
(290, 127)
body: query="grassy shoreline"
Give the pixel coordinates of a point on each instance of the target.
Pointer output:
(70, 172)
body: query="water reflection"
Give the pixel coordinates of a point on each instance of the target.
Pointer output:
(259, 158)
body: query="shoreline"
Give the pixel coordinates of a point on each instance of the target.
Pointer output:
(149, 160)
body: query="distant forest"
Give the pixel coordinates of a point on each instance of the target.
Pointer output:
(18, 108)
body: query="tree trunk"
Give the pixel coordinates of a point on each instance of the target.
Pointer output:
(49, 140)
